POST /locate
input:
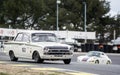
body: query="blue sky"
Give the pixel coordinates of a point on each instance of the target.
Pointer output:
(115, 7)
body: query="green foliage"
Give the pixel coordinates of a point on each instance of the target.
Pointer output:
(1, 73)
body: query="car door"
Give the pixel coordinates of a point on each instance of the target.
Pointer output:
(26, 46)
(17, 45)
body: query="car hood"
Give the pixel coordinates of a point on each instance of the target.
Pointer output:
(85, 57)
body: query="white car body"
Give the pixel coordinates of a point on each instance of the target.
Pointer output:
(96, 57)
(33, 45)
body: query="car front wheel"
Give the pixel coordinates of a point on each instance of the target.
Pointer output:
(37, 58)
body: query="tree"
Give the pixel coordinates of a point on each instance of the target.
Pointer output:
(2, 21)
(23, 13)
(71, 12)
(115, 26)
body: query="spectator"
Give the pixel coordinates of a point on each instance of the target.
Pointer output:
(101, 47)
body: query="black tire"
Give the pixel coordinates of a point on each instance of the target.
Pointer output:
(96, 62)
(108, 62)
(37, 58)
(12, 56)
(67, 61)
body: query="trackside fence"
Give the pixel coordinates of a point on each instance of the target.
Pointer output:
(107, 48)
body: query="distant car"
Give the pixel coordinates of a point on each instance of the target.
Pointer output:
(96, 57)
(72, 42)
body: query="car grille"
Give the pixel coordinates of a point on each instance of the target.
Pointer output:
(58, 47)
(58, 51)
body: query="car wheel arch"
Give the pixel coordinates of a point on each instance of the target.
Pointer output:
(10, 51)
(108, 62)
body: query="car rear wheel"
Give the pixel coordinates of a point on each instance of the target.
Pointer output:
(96, 62)
(37, 58)
(12, 56)
(67, 61)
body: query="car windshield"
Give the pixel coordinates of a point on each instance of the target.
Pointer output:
(93, 53)
(44, 37)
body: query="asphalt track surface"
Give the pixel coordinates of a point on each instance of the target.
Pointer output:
(74, 68)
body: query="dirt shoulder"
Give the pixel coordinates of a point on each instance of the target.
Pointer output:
(6, 69)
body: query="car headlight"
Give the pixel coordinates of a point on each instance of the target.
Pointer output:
(71, 48)
(91, 60)
(46, 49)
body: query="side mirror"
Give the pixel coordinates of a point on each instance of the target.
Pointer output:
(28, 41)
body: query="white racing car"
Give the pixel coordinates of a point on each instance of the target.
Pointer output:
(96, 57)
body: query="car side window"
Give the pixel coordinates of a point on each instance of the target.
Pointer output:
(19, 37)
(25, 38)
(102, 53)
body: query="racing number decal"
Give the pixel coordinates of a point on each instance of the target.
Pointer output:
(23, 49)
